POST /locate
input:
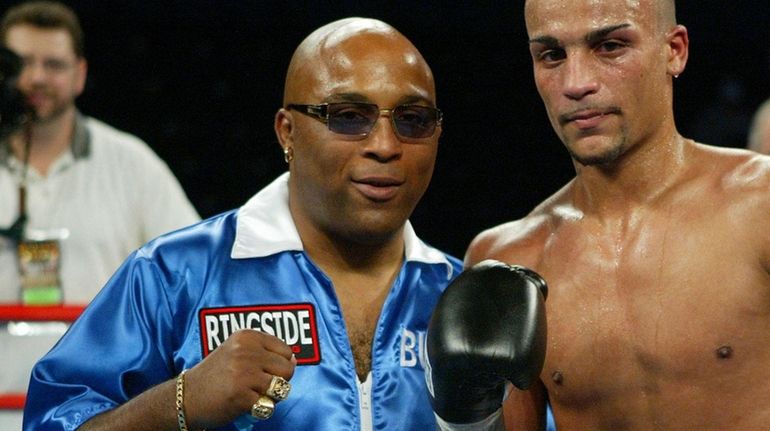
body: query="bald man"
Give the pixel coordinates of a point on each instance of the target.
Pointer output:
(306, 308)
(759, 134)
(657, 253)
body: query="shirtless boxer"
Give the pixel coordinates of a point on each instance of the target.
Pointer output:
(657, 253)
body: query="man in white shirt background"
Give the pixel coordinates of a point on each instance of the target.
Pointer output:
(93, 193)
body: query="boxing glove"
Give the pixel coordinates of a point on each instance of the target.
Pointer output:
(488, 327)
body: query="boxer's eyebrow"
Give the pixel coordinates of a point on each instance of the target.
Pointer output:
(600, 34)
(548, 41)
(591, 38)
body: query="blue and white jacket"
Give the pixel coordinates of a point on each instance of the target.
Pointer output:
(181, 295)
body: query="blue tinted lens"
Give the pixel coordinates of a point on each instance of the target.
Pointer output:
(352, 118)
(411, 121)
(415, 121)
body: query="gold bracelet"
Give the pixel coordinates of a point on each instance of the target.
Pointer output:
(180, 401)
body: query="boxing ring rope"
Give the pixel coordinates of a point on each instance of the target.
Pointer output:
(22, 313)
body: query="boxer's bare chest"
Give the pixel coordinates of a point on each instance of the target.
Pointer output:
(642, 311)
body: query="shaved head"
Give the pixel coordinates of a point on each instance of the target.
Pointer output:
(334, 44)
(666, 10)
(667, 13)
(355, 61)
(613, 61)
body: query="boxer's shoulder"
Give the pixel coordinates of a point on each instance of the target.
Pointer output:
(736, 182)
(518, 242)
(522, 241)
(733, 170)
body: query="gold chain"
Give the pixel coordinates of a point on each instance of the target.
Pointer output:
(180, 401)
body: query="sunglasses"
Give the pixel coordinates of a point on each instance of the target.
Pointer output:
(358, 119)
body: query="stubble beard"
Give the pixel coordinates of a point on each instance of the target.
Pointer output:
(605, 158)
(56, 113)
(58, 107)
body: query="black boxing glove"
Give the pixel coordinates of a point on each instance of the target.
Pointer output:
(489, 326)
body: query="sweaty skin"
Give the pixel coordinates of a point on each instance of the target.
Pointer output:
(657, 253)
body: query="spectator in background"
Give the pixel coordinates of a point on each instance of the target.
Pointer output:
(759, 133)
(93, 193)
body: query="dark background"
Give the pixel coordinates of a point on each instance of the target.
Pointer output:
(200, 81)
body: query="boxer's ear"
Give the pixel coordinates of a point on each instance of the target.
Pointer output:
(678, 45)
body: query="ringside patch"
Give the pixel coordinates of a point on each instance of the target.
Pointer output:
(295, 324)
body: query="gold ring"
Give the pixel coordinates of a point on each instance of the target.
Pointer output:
(279, 389)
(263, 408)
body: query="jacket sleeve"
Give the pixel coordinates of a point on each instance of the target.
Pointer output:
(121, 345)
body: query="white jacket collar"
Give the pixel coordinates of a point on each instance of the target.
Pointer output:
(265, 226)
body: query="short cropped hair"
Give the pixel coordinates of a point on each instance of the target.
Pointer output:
(48, 15)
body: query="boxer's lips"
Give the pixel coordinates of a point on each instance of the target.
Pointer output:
(378, 188)
(588, 118)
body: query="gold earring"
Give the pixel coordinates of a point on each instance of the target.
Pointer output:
(288, 154)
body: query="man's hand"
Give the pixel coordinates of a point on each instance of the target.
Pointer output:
(228, 382)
